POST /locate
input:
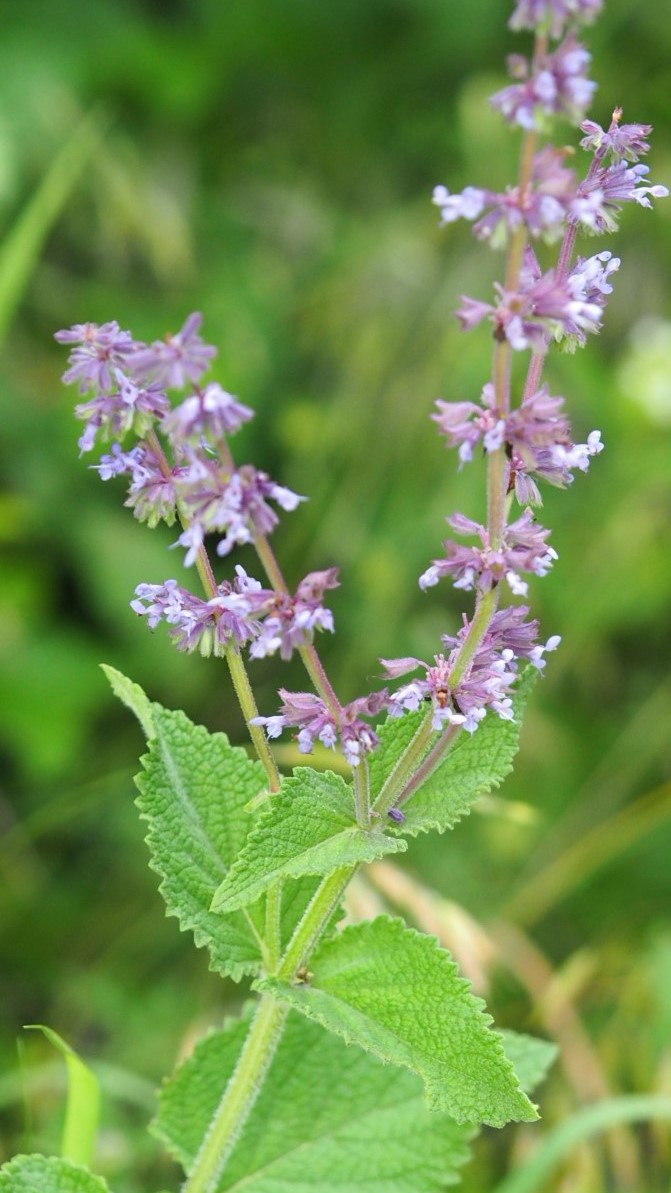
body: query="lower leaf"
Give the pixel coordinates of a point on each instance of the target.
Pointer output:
(397, 994)
(48, 1174)
(328, 1117)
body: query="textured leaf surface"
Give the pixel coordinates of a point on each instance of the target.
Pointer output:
(396, 993)
(329, 1118)
(132, 696)
(475, 765)
(48, 1174)
(531, 1058)
(193, 792)
(310, 828)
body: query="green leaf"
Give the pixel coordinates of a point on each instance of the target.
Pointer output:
(328, 1118)
(193, 793)
(309, 828)
(48, 1174)
(477, 763)
(83, 1102)
(132, 696)
(396, 993)
(531, 1058)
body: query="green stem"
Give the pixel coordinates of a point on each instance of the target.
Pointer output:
(317, 914)
(247, 702)
(428, 765)
(273, 927)
(361, 788)
(398, 778)
(238, 1098)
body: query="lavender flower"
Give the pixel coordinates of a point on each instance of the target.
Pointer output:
(552, 16)
(486, 685)
(309, 714)
(292, 621)
(127, 408)
(523, 550)
(553, 84)
(176, 360)
(546, 306)
(210, 412)
(536, 434)
(231, 617)
(621, 141)
(543, 207)
(235, 502)
(599, 198)
(100, 350)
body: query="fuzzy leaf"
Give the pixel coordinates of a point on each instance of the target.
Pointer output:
(530, 1057)
(396, 993)
(476, 764)
(328, 1118)
(48, 1174)
(309, 828)
(132, 696)
(193, 792)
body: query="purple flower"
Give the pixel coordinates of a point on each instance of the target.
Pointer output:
(621, 141)
(523, 550)
(100, 351)
(210, 412)
(118, 462)
(308, 713)
(543, 207)
(600, 197)
(235, 502)
(546, 306)
(552, 16)
(176, 360)
(536, 423)
(487, 682)
(291, 621)
(127, 408)
(554, 84)
(210, 626)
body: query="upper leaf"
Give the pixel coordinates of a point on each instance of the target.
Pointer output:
(477, 763)
(530, 1057)
(48, 1174)
(193, 793)
(328, 1118)
(132, 696)
(396, 993)
(309, 828)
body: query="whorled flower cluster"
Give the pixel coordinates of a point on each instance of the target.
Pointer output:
(129, 381)
(180, 466)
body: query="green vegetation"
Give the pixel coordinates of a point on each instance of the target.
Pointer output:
(271, 165)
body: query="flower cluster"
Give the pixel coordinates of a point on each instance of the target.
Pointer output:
(536, 436)
(563, 303)
(554, 197)
(129, 381)
(486, 684)
(180, 467)
(241, 613)
(315, 721)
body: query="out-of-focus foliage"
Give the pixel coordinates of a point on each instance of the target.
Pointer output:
(271, 165)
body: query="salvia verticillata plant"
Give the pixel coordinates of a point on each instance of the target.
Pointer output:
(254, 863)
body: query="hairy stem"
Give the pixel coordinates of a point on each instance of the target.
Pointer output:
(238, 1098)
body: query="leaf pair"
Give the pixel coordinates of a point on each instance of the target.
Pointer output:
(388, 989)
(328, 1117)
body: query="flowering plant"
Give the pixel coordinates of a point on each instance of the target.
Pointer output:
(254, 863)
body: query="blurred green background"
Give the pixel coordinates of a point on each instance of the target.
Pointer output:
(271, 165)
